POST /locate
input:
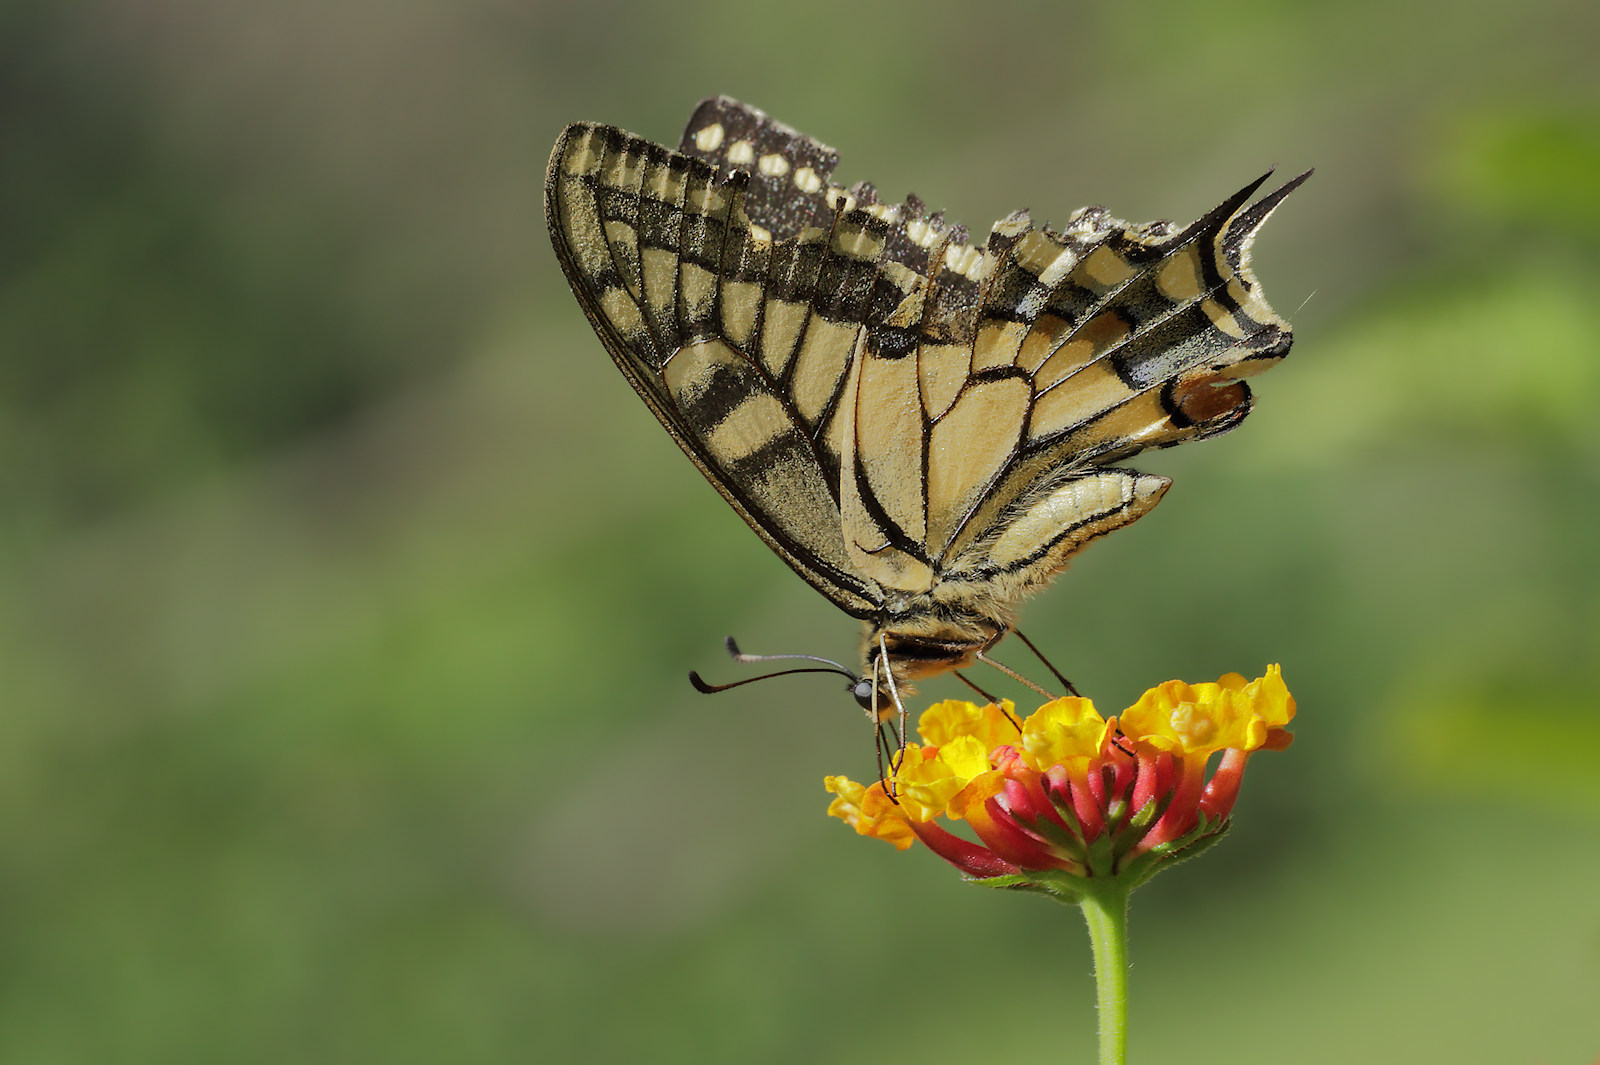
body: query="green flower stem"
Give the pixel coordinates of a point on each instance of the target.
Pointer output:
(1105, 908)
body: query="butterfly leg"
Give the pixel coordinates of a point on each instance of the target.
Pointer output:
(887, 734)
(1013, 674)
(885, 745)
(990, 699)
(963, 678)
(1072, 689)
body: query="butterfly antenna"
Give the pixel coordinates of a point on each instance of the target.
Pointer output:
(1072, 689)
(828, 666)
(739, 656)
(701, 685)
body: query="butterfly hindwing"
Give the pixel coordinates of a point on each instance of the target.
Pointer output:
(1131, 338)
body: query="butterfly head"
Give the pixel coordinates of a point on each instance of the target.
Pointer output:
(861, 688)
(905, 649)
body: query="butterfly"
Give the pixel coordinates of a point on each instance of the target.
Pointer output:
(921, 427)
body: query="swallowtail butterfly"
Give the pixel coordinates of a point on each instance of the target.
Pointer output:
(921, 427)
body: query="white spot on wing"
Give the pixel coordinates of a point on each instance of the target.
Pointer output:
(963, 259)
(806, 180)
(923, 232)
(1013, 225)
(710, 138)
(741, 153)
(773, 165)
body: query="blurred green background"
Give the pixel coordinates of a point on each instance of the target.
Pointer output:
(348, 591)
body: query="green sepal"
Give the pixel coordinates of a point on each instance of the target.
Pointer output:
(1067, 841)
(1064, 887)
(1197, 841)
(1070, 887)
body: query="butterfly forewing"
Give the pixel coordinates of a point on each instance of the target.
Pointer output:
(920, 427)
(617, 206)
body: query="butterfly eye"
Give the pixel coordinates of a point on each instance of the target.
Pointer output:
(862, 691)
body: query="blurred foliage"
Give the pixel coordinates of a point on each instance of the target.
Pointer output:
(1534, 167)
(349, 593)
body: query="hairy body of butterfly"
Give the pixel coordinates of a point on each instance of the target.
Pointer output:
(921, 428)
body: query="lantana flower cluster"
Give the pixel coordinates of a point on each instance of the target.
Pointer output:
(1069, 795)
